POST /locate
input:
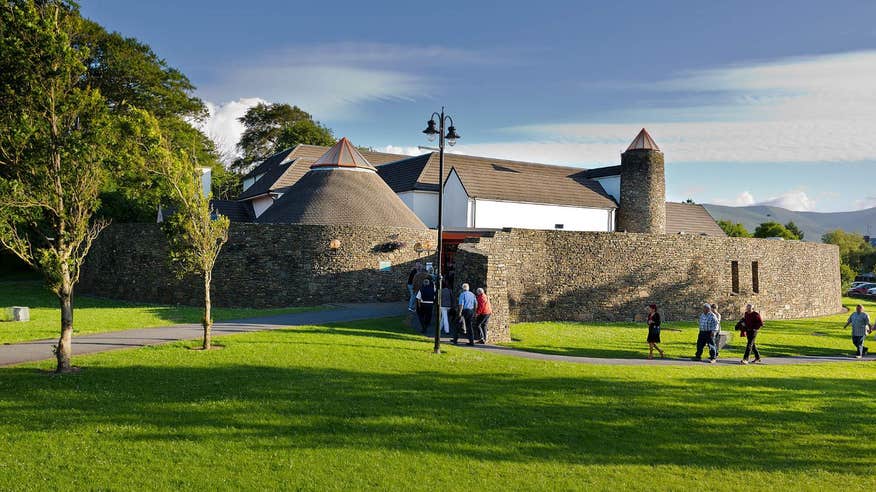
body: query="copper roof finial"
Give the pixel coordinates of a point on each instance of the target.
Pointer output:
(643, 141)
(343, 154)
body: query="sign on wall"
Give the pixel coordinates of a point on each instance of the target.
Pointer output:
(384, 266)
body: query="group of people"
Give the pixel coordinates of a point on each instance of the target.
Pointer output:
(470, 315)
(749, 326)
(710, 332)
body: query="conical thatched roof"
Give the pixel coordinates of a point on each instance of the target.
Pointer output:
(342, 188)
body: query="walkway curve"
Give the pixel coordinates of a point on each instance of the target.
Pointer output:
(33, 351)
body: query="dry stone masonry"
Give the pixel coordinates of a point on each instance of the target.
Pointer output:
(534, 275)
(262, 265)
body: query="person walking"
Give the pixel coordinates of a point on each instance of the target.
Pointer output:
(467, 305)
(446, 303)
(425, 304)
(654, 332)
(412, 300)
(752, 322)
(708, 323)
(483, 312)
(861, 327)
(718, 330)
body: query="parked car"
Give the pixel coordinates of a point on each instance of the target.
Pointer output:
(872, 291)
(855, 284)
(861, 289)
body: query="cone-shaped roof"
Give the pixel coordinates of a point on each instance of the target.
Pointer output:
(342, 154)
(643, 141)
(335, 193)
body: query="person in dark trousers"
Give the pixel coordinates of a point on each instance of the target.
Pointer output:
(411, 292)
(653, 331)
(752, 323)
(860, 322)
(708, 328)
(483, 312)
(718, 331)
(467, 305)
(425, 304)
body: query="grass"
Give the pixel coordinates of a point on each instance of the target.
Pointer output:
(92, 315)
(815, 336)
(366, 405)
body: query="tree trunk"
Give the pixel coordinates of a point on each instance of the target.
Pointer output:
(64, 352)
(208, 320)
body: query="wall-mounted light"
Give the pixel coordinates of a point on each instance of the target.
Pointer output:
(423, 246)
(335, 244)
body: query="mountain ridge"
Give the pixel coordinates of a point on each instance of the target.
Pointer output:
(813, 224)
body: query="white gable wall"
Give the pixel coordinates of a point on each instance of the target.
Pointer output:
(458, 207)
(424, 204)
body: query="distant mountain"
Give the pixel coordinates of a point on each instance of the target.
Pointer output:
(813, 224)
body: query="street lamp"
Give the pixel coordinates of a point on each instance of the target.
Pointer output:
(450, 137)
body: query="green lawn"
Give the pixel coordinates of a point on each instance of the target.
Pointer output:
(814, 336)
(367, 406)
(93, 315)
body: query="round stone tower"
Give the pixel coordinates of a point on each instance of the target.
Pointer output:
(642, 187)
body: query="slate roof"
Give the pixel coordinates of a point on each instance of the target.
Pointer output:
(500, 179)
(690, 218)
(341, 195)
(283, 169)
(235, 211)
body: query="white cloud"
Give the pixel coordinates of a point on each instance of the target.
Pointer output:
(400, 149)
(333, 80)
(223, 127)
(865, 203)
(796, 200)
(815, 109)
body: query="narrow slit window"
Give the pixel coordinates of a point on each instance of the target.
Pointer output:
(755, 280)
(558, 226)
(734, 272)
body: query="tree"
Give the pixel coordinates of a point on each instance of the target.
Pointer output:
(793, 229)
(773, 229)
(305, 132)
(270, 128)
(195, 232)
(57, 135)
(733, 230)
(854, 252)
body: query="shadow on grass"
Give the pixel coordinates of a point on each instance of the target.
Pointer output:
(486, 414)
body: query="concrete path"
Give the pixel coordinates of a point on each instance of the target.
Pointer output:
(18, 353)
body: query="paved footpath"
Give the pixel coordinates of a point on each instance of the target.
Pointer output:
(18, 353)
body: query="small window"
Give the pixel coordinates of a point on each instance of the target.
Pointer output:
(734, 272)
(755, 281)
(558, 226)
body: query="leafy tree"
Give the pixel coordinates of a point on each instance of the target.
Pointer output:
(270, 128)
(854, 252)
(773, 229)
(305, 132)
(57, 136)
(690, 201)
(733, 229)
(793, 229)
(195, 233)
(847, 275)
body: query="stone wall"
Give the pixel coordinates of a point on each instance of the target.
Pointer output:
(262, 265)
(555, 275)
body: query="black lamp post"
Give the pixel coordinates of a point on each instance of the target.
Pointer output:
(450, 137)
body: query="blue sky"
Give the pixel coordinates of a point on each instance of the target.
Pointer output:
(752, 102)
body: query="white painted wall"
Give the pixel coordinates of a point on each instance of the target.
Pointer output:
(611, 184)
(457, 204)
(494, 214)
(424, 204)
(260, 204)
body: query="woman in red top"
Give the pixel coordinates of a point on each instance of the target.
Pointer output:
(483, 312)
